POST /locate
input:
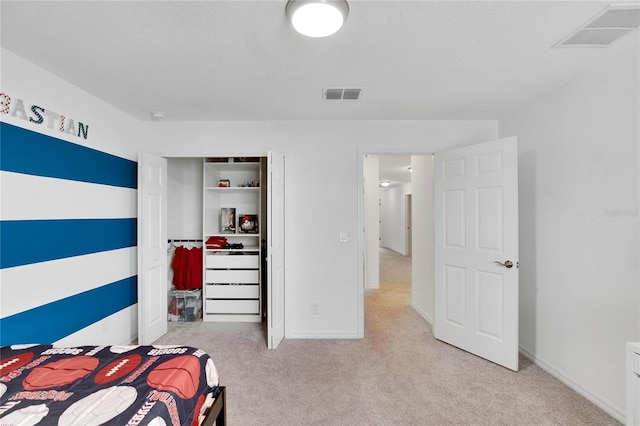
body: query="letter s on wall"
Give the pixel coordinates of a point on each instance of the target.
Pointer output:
(5, 101)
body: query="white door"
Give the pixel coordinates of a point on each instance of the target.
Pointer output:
(476, 250)
(152, 248)
(275, 249)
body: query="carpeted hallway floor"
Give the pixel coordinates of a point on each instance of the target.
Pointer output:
(397, 375)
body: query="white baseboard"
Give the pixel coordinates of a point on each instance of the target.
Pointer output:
(423, 314)
(616, 412)
(321, 335)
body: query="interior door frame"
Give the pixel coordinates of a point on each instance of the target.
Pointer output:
(361, 222)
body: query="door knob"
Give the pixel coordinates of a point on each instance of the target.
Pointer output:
(507, 264)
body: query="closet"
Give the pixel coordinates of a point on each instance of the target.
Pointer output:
(217, 207)
(231, 209)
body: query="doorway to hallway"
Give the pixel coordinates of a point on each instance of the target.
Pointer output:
(399, 217)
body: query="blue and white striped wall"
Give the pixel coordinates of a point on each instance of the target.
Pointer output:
(68, 268)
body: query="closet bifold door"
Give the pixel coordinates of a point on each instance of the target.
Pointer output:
(152, 237)
(275, 248)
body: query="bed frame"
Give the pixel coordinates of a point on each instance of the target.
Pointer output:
(217, 413)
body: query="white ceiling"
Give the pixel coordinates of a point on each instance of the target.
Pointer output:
(241, 60)
(394, 168)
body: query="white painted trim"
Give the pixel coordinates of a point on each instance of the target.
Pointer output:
(361, 241)
(211, 155)
(605, 405)
(423, 314)
(371, 220)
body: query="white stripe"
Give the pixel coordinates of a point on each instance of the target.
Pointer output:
(37, 284)
(107, 331)
(26, 197)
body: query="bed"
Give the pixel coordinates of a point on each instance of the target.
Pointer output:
(119, 385)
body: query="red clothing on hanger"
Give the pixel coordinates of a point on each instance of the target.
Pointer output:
(179, 265)
(194, 269)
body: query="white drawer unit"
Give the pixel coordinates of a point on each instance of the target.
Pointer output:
(245, 291)
(232, 276)
(232, 262)
(234, 307)
(633, 383)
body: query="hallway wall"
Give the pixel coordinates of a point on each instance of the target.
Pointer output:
(392, 217)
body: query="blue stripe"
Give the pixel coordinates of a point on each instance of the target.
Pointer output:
(32, 153)
(23, 242)
(53, 321)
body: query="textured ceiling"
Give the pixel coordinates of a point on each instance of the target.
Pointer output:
(241, 60)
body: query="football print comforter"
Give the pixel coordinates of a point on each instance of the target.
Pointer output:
(94, 385)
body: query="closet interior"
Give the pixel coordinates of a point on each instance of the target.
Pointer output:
(216, 229)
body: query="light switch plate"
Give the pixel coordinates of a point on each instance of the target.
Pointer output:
(345, 237)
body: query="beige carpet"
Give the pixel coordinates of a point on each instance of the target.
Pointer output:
(397, 375)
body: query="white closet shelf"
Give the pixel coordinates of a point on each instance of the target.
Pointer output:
(233, 188)
(235, 167)
(245, 249)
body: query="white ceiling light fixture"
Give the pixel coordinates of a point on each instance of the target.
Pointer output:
(385, 183)
(317, 18)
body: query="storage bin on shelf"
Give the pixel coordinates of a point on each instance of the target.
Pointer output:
(185, 305)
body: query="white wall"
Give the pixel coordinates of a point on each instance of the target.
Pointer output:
(323, 192)
(422, 272)
(184, 198)
(27, 197)
(578, 151)
(392, 215)
(371, 200)
(111, 130)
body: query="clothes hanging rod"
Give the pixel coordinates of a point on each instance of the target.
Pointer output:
(183, 241)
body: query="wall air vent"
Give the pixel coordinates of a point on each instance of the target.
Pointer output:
(606, 27)
(342, 94)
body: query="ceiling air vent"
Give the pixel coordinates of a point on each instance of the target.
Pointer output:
(342, 94)
(606, 27)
